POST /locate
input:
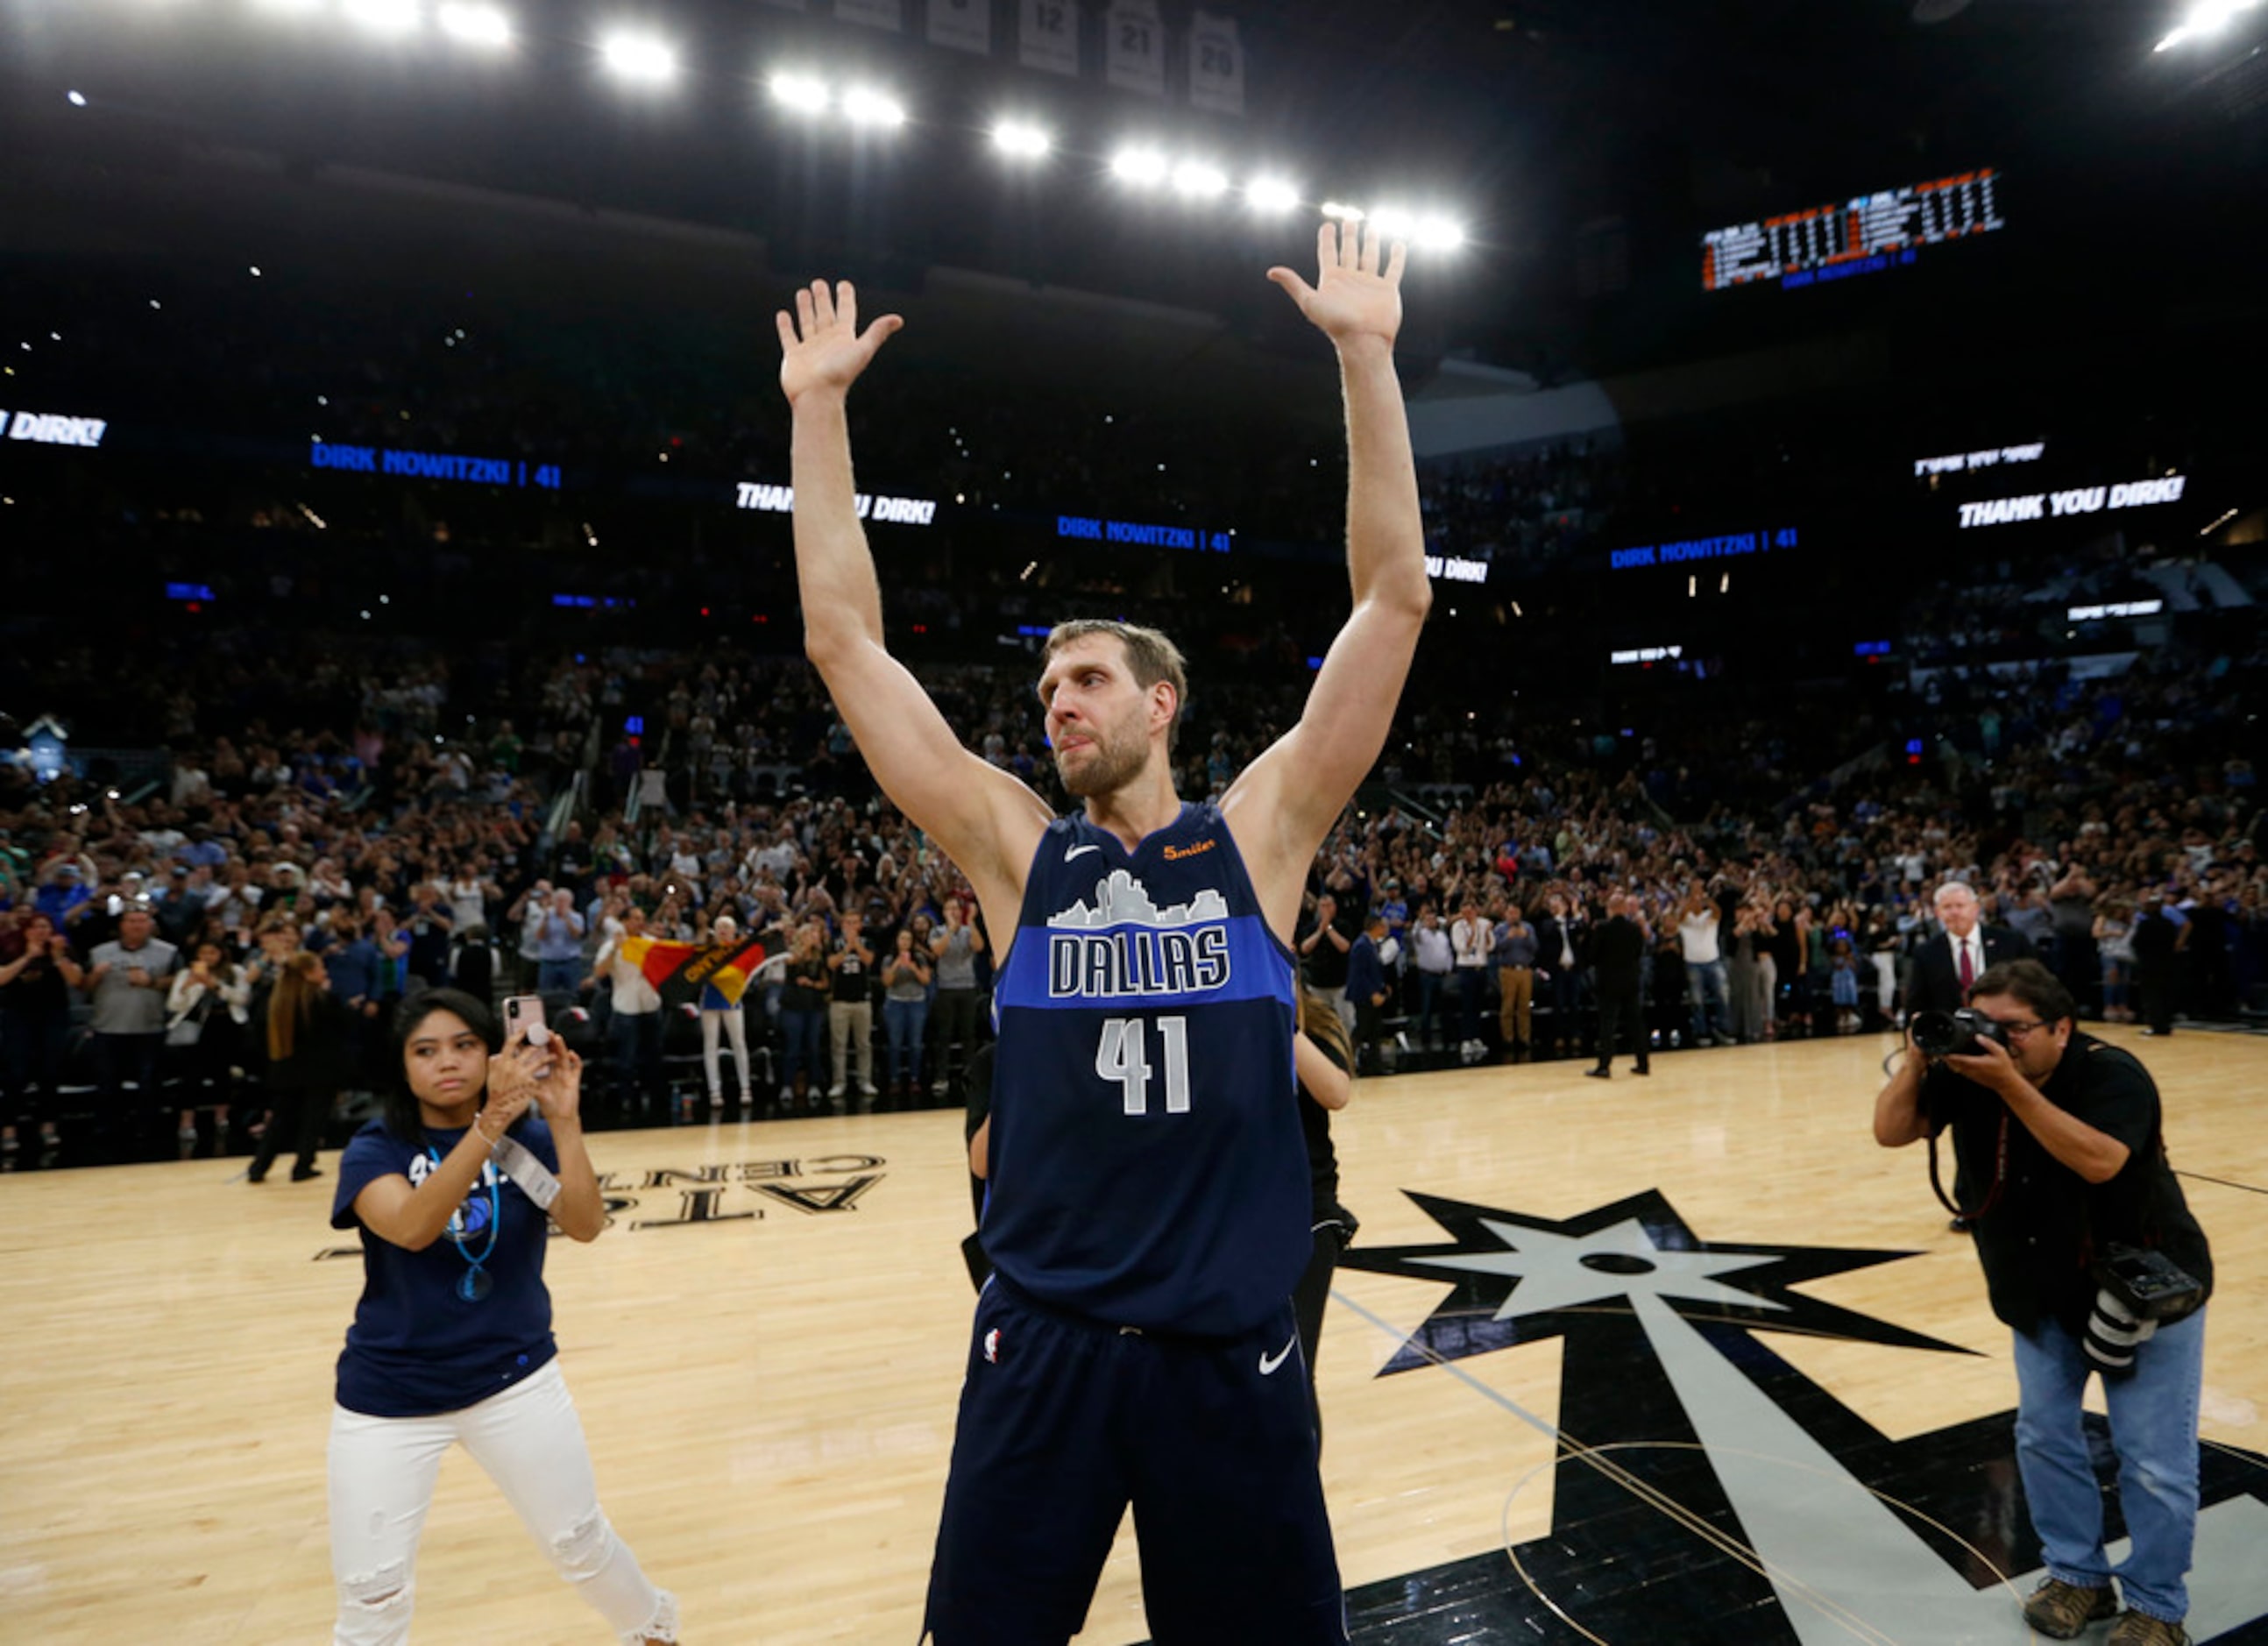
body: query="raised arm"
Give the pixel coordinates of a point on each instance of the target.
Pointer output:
(1284, 805)
(987, 821)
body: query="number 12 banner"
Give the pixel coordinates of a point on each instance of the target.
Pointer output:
(1049, 37)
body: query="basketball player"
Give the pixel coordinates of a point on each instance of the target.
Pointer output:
(1148, 1217)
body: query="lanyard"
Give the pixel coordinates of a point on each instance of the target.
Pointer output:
(477, 1282)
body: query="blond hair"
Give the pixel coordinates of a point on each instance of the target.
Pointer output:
(1149, 655)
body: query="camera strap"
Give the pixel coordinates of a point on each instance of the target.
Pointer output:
(2000, 1176)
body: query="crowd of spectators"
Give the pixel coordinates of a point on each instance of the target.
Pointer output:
(413, 820)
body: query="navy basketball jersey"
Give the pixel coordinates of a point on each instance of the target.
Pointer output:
(1147, 1165)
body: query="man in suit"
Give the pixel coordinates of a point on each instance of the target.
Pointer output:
(1944, 965)
(1617, 949)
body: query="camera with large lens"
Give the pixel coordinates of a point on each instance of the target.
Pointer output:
(1956, 1034)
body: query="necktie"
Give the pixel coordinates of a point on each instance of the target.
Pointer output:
(1968, 966)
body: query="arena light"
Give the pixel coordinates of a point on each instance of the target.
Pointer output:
(1021, 140)
(1394, 223)
(1141, 167)
(77, 100)
(1194, 180)
(2207, 17)
(864, 105)
(288, 8)
(1438, 235)
(643, 58)
(476, 25)
(1339, 212)
(386, 17)
(802, 94)
(1272, 194)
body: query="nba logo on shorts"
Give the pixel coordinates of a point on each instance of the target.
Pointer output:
(992, 1346)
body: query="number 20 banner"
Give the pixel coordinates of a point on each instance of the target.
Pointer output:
(1216, 64)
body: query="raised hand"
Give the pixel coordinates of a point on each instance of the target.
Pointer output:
(511, 1080)
(821, 346)
(560, 1094)
(1352, 298)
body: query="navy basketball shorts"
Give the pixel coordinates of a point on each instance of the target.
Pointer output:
(1065, 1422)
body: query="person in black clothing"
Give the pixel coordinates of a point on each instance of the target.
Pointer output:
(2062, 1137)
(1617, 951)
(1946, 964)
(1323, 948)
(37, 974)
(2158, 943)
(311, 1041)
(1560, 940)
(427, 926)
(1323, 1056)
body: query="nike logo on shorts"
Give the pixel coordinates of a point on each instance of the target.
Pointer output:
(1269, 1362)
(1079, 851)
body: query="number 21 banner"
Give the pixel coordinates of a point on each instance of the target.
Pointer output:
(1135, 60)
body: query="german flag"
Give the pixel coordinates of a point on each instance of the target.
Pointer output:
(680, 971)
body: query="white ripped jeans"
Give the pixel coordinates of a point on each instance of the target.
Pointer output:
(530, 1442)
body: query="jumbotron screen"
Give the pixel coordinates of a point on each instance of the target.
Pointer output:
(1863, 235)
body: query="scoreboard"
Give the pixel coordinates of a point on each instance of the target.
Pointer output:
(1858, 236)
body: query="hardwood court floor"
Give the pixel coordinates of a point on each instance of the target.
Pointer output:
(766, 1348)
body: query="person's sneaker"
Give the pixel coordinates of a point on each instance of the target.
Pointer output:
(867, 1089)
(835, 1090)
(1726, 1040)
(1641, 1069)
(2060, 1610)
(301, 1174)
(1600, 1074)
(2139, 1628)
(717, 1099)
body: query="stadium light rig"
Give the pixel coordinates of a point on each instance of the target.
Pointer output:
(641, 58)
(475, 25)
(1194, 180)
(875, 110)
(801, 93)
(1021, 140)
(2207, 17)
(1272, 194)
(1141, 167)
(394, 18)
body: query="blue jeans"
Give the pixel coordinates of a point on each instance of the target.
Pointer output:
(2154, 1430)
(800, 1036)
(634, 1038)
(558, 977)
(1704, 993)
(902, 1021)
(1429, 1004)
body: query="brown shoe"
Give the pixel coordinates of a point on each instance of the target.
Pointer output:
(2060, 1610)
(2139, 1628)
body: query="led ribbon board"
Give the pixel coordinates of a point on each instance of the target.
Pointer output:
(1862, 235)
(768, 500)
(379, 460)
(2045, 505)
(52, 428)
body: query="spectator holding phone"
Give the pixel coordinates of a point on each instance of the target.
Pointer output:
(451, 1340)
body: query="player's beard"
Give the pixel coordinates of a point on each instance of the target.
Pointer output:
(1112, 760)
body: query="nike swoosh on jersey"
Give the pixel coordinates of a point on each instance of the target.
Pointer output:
(1269, 1362)
(1080, 851)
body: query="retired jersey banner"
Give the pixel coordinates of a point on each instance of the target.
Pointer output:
(680, 972)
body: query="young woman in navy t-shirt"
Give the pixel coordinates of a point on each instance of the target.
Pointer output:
(452, 1342)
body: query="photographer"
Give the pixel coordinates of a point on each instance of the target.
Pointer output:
(2060, 1135)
